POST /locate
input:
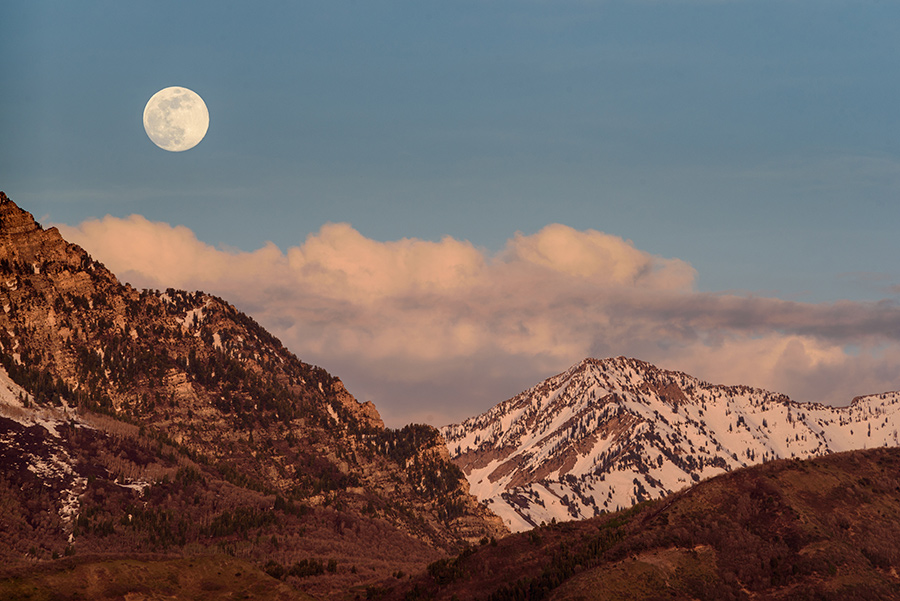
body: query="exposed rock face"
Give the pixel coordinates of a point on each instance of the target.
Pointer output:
(190, 370)
(609, 433)
(366, 412)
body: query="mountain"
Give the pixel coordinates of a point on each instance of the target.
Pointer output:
(609, 433)
(823, 528)
(170, 422)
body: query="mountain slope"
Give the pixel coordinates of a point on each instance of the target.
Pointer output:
(824, 528)
(173, 579)
(609, 433)
(119, 398)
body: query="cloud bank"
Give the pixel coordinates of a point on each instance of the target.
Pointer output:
(437, 331)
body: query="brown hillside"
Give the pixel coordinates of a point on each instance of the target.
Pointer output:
(826, 528)
(143, 578)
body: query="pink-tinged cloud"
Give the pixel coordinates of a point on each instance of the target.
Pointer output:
(437, 331)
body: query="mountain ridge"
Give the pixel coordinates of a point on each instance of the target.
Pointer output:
(607, 433)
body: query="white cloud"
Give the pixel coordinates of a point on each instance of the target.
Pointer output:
(441, 330)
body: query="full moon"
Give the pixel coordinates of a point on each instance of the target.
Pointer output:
(176, 119)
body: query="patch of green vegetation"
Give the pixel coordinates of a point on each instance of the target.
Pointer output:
(239, 521)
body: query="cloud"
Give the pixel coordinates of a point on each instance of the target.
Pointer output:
(441, 330)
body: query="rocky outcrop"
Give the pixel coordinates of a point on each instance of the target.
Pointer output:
(365, 413)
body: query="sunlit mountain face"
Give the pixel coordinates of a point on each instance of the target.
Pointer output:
(609, 433)
(136, 421)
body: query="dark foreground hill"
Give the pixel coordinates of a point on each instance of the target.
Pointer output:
(142, 578)
(825, 528)
(171, 423)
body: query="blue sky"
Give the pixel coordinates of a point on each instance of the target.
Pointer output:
(757, 141)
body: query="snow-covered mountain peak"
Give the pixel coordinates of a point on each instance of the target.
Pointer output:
(607, 433)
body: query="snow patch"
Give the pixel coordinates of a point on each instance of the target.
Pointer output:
(13, 400)
(139, 486)
(194, 317)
